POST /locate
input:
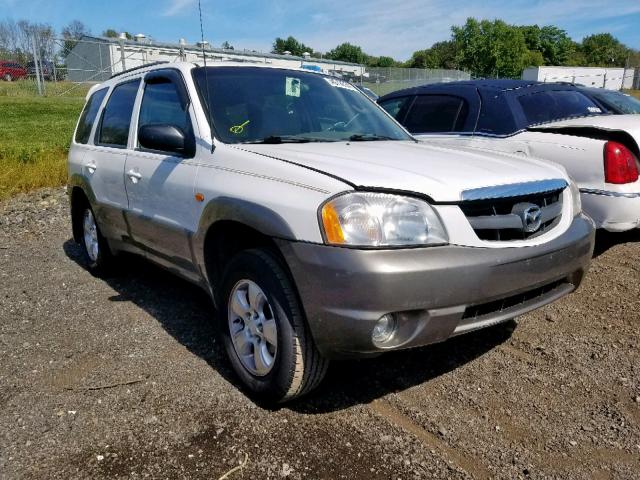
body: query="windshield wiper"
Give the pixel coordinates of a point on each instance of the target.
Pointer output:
(368, 137)
(276, 139)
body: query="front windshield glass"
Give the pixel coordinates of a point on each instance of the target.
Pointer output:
(619, 102)
(269, 105)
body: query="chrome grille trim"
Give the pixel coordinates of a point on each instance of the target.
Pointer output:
(514, 190)
(512, 221)
(502, 219)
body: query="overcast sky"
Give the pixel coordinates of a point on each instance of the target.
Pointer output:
(381, 27)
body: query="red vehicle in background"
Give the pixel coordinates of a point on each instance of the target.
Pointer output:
(10, 71)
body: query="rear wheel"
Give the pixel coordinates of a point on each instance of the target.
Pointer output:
(265, 334)
(8, 77)
(96, 251)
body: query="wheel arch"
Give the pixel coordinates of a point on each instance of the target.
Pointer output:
(80, 195)
(230, 225)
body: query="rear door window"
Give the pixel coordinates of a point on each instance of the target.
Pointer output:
(88, 116)
(551, 105)
(116, 116)
(436, 113)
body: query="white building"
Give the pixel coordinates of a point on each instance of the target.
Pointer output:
(95, 59)
(610, 78)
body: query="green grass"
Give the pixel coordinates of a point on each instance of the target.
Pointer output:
(28, 88)
(635, 93)
(35, 133)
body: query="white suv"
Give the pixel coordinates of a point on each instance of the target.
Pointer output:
(318, 225)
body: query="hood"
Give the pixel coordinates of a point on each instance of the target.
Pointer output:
(438, 172)
(621, 123)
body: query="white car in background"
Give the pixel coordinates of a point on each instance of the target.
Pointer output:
(556, 122)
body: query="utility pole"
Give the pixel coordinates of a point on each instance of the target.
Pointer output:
(35, 62)
(122, 38)
(624, 72)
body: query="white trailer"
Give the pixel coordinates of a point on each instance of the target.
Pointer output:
(609, 78)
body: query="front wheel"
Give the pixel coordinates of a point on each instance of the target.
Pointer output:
(8, 77)
(265, 334)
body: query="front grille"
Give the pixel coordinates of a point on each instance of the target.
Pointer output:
(497, 306)
(497, 219)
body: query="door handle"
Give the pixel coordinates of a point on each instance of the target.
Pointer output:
(91, 167)
(134, 176)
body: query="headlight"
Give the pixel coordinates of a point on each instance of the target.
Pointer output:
(576, 203)
(368, 219)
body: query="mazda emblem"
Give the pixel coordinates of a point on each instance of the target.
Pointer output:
(530, 215)
(532, 219)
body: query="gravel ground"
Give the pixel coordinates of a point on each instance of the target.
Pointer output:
(126, 378)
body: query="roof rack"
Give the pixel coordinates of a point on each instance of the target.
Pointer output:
(138, 68)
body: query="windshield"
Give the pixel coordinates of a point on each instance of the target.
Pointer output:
(551, 105)
(618, 102)
(268, 105)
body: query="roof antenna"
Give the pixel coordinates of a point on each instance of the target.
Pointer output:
(207, 106)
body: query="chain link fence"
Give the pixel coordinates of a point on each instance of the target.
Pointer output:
(68, 67)
(38, 67)
(387, 80)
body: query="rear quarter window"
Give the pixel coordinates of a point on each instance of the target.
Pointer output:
(547, 106)
(88, 116)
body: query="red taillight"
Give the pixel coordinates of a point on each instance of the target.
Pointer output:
(619, 164)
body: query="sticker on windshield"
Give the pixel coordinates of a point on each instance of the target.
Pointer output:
(336, 82)
(594, 109)
(292, 87)
(238, 129)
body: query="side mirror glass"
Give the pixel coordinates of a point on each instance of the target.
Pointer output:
(165, 138)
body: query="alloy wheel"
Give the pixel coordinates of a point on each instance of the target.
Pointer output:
(253, 328)
(90, 231)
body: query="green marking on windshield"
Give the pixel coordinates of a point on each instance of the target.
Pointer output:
(238, 129)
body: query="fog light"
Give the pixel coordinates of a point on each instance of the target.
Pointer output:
(384, 329)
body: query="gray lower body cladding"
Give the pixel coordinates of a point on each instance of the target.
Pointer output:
(435, 293)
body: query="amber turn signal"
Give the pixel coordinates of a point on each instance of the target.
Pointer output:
(331, 224)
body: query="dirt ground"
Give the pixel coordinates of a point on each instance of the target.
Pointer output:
(125, 378)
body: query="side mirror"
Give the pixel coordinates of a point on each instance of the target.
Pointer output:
(166, 138)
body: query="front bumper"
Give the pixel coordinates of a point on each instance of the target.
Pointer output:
(435, 292)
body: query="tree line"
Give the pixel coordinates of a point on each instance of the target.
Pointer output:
(491, 48)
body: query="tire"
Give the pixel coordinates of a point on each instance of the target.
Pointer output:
(7, 77)
(95, 249)
(296, 366)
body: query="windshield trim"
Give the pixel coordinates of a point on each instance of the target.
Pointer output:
(212, 124)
